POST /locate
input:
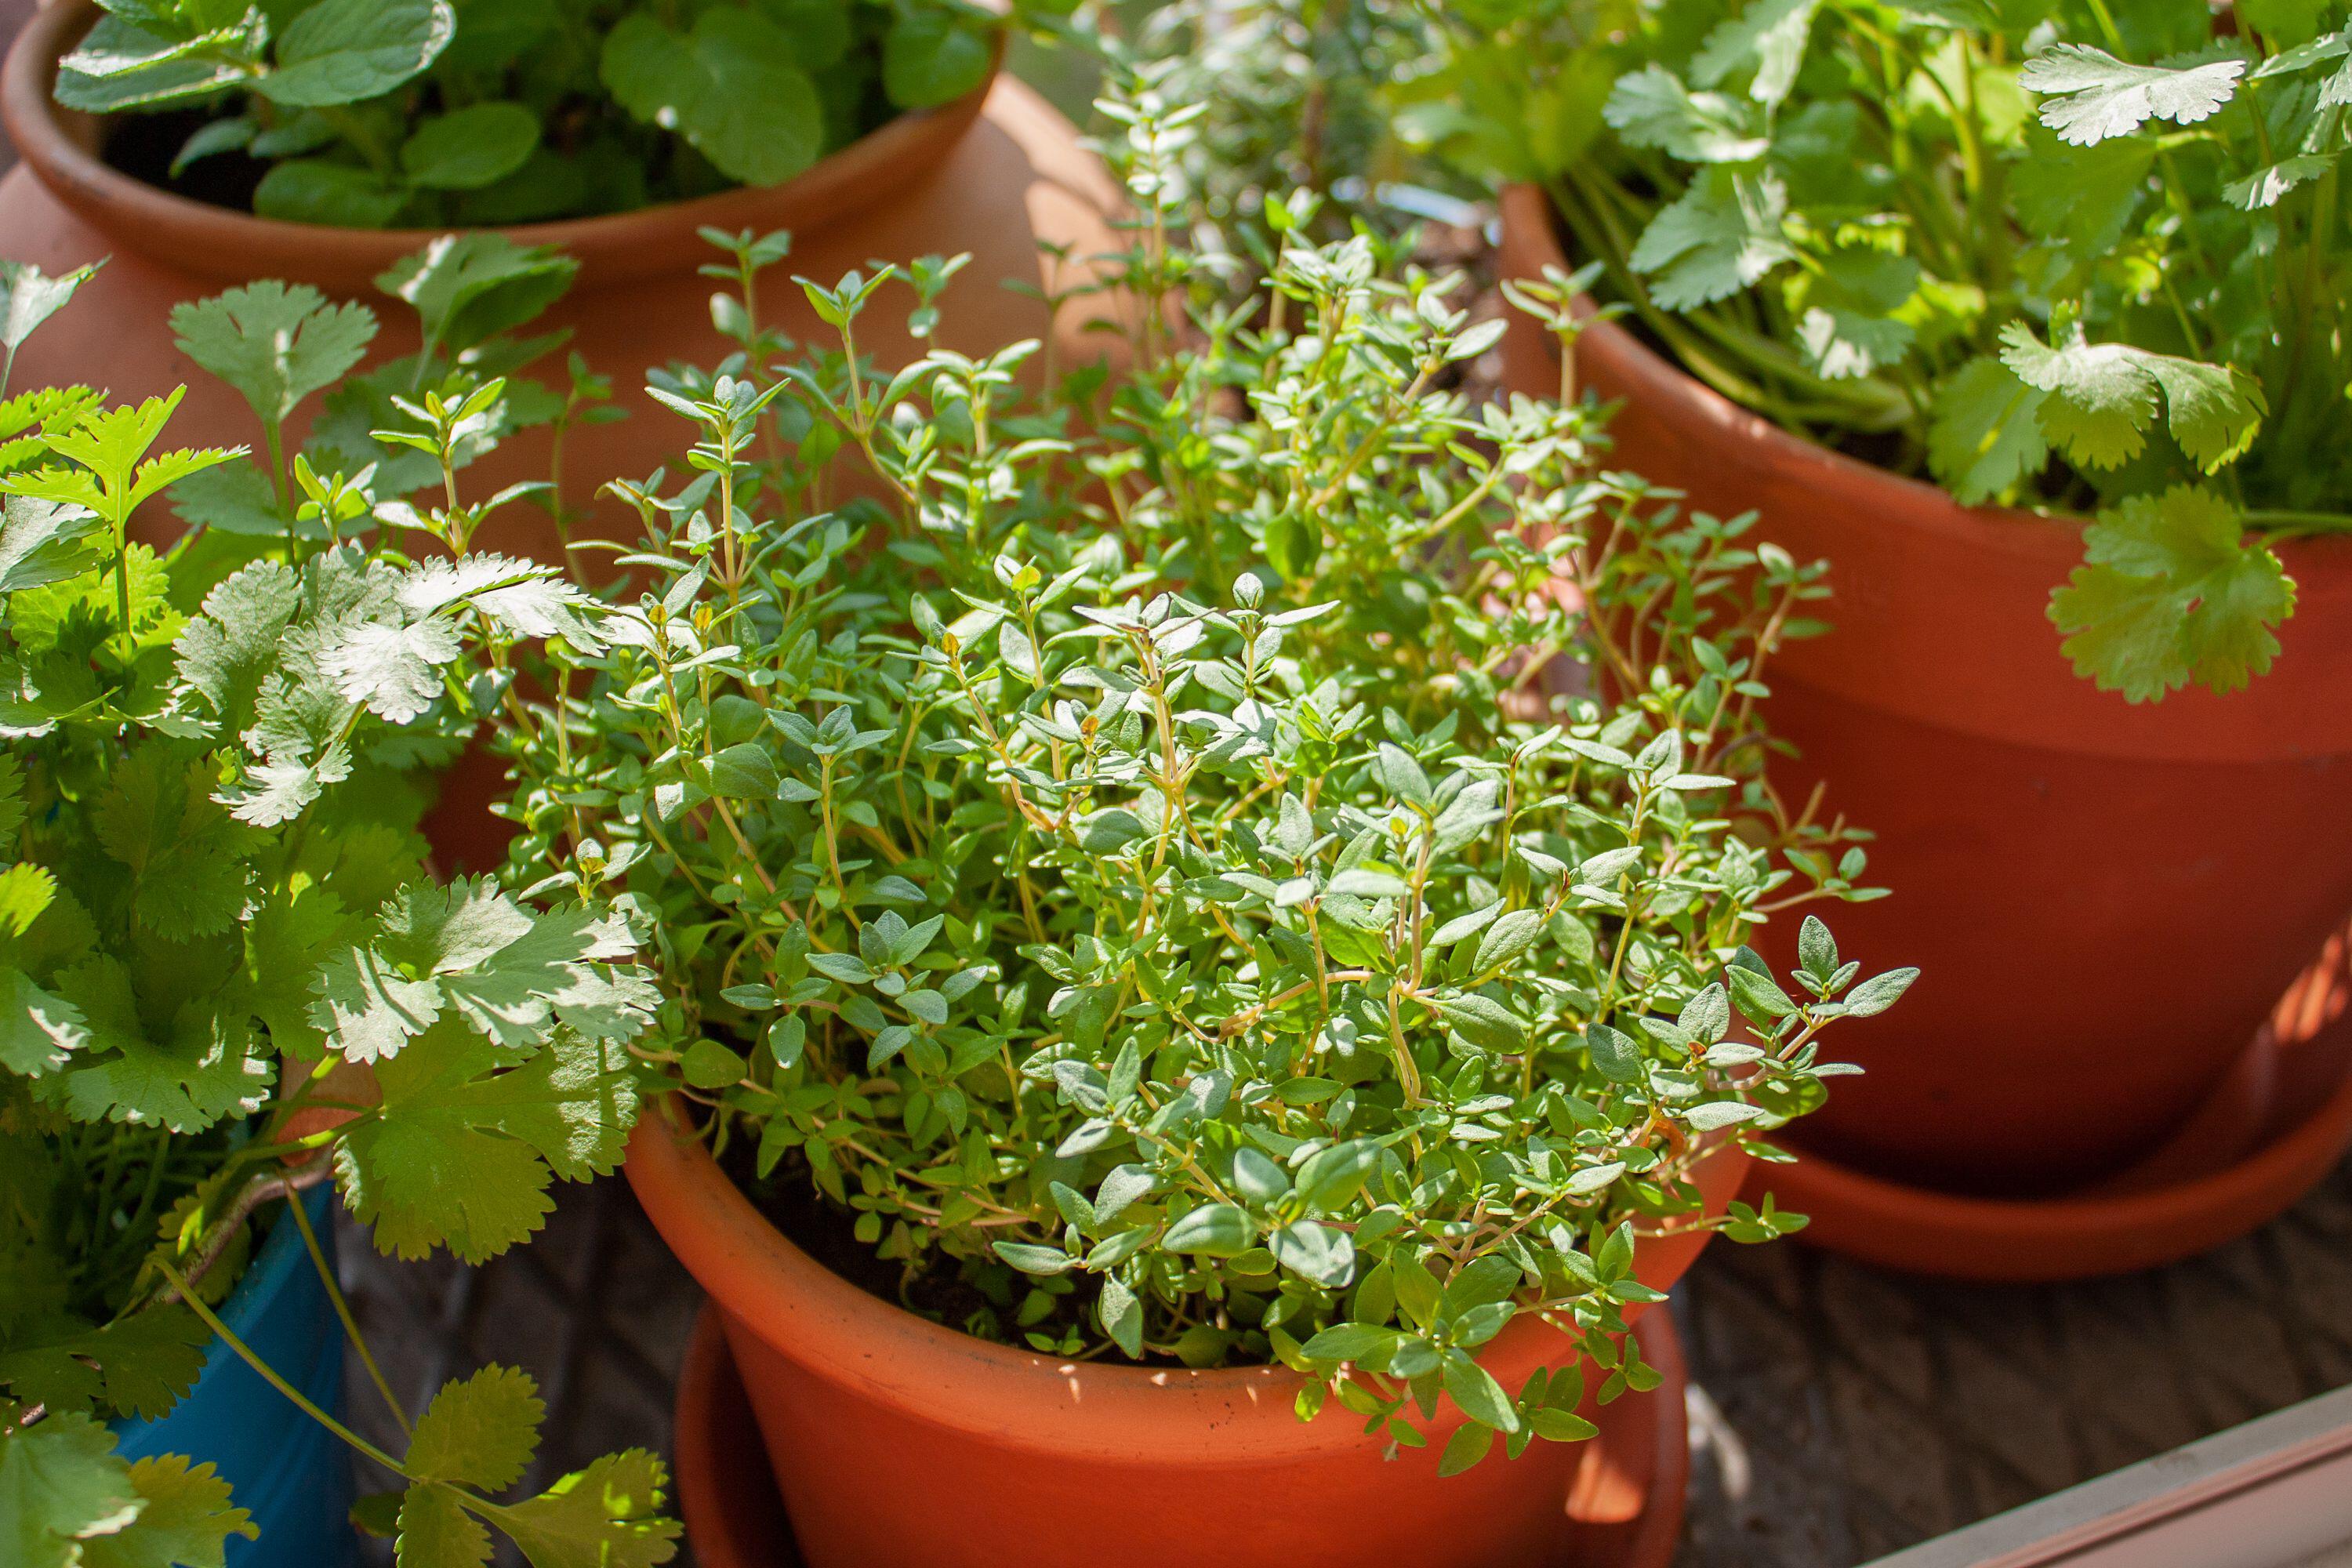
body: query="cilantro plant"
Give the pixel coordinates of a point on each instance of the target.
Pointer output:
(228, 974)
(1120, 852)
(2077, 255)
(422, 113)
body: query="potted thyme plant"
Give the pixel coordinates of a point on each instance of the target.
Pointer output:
(1154, 1039)
(204, 145)
(233, 985)
(2030, 318)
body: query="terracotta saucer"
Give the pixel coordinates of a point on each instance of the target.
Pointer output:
(1624, 1508)
(2272, 1129)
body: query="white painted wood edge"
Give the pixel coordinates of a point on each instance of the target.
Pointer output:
(2273, 1493)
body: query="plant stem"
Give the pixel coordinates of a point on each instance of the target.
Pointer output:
(301, 1213)
(270, 1375)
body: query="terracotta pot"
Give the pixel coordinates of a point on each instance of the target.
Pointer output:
(2106, 898)
(1627, 1514)
(996, 172)
(1022, 1462)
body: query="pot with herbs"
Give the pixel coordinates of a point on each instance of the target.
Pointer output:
(1158, 1052)
(2028, 317)
(193, 146)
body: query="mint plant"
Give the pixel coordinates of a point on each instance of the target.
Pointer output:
(1119, 851)
(2077, 257)
(228, 974)
(424, 114)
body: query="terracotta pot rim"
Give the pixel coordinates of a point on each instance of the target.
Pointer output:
(728, 1498)
(226, 244)
(2049, 536)
(761, 1279)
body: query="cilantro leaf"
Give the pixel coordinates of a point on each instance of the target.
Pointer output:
(29, 297)
(391, 668)
(140, 1365)
(1719, 237)
(2172, 591)
(507, 972)
(2103, 395)
(436, 1531)
(465, 287)
(367, 1010)
(185, 1519)
(39, 1033)
(226, 650)
(233, 498)
(1986, 433)
(207, 1065)
(62, 1483)
(522, 598)
(1770, 36)
(187, 857)
(44, 541)
(1652, 108)
(2265, 185)
(480, 1432)
(2092, 95)
(1846, 310)
(275, 343)
(606, 1516)
(287, 938)
(2081, 198)
(461, 1151)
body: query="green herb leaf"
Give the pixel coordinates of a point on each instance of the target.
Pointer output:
(467, 149)
(932, 56)
(342, 51)
(331, 195)
(463, 1149)
(606, 1516)
(2173, 590)
(1986, 435)
(185, 1519)
(2092, 95)
(2102, 396)
(733, 88)
(1719, 237)
(61, 1484)
(480, 1431)
(276, 344)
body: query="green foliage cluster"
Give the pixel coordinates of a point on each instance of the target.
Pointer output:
(1119, 845)
(2060, 253)
(216, 913)
(1297, 95)
(420, 113)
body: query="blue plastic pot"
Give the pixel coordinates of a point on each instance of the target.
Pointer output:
(292, 1474)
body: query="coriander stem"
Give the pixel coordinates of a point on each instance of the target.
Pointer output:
(270, 1375)
(301, 1211)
